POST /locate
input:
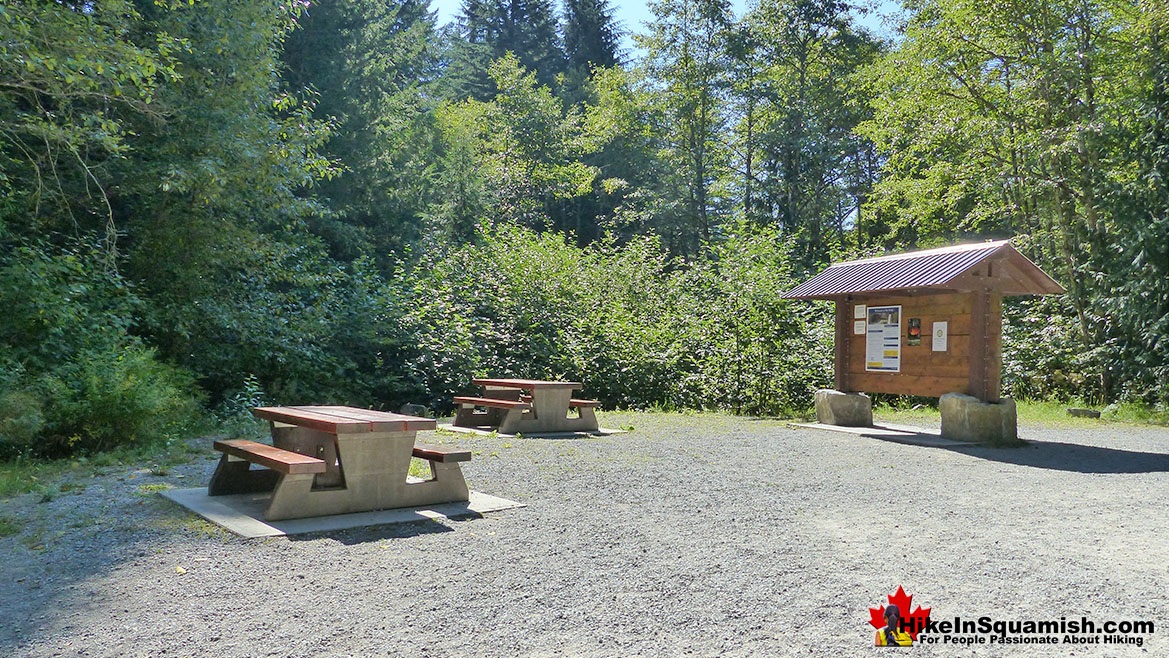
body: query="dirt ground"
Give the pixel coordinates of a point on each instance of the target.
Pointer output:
(701, 535)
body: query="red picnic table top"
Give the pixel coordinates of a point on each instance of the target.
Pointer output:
(344, 420)
(525, 383)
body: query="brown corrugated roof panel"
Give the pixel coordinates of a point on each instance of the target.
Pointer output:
(931, 268)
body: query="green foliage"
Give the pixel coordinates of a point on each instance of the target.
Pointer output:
(312, 330)
(802, 167)
(759, 354)
(72, 378)
(1043, 357)
(196, 167)
(633, 326)
(1137, 304)
(1042, 121)
(69, 81)
(688, 56)
(638, 192)
(370, 64)
(348, 205)
(491, 29)
(524, 150)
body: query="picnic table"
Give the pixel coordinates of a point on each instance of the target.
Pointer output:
(335, 460)
(529, 406)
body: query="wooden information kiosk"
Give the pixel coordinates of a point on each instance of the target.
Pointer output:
(927, 322)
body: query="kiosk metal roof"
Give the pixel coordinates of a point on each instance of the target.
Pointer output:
(947, 268)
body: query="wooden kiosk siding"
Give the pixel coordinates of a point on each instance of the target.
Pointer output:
(924, 371)
(962, 286)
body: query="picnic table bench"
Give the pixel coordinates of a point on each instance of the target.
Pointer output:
(336, 460)
(529, 406)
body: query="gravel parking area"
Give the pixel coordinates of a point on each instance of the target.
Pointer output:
(694, 535)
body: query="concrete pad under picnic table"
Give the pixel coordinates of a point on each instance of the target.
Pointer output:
(487, 431)
(917, 436)
(243, 514)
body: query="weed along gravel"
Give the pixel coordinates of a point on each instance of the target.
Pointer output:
(702, 535)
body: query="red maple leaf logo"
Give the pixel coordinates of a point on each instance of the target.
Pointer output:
(912, 622)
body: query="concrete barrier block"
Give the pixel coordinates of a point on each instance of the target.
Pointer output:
(966, 418)
(845, 409)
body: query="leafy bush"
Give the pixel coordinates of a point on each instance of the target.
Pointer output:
(74, 379)
(637, 328)
(1043, 357)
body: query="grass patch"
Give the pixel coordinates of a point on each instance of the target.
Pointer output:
(1042, 412)
(190, 524)
(908, 416)
(21, 476)
(151, 489)
(8, 527)
(34, 540)
(420, 468)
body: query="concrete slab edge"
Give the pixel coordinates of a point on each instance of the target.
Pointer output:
(604, 431)
(239, 514)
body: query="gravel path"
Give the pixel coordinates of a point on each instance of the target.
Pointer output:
(693, 535)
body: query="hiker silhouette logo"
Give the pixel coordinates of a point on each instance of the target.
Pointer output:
(895, 624)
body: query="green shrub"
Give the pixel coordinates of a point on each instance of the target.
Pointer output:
(637, 328)
(111, 398)
(73, 378)
(1043, 357)
(21, 413)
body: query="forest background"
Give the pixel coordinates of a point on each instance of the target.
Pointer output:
(210, 204)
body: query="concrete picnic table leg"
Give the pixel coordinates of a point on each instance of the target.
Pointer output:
(448, 484)
(313, 443)
(289, 496)
(513, 420)
(233, 475)
(466, 416)
(376, 468)
(588, 419)
(549, 413)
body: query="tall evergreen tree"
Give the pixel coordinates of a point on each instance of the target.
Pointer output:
(591, 36)
(592, 39)
(492, 28)
(369, 61)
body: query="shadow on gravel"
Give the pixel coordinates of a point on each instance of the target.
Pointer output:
(1072, 457)
(377, 533)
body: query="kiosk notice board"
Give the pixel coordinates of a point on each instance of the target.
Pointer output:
(883, 339)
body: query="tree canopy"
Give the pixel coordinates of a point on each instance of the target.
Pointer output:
(205, 204)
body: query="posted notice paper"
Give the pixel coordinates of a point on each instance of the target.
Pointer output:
(883, 341)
